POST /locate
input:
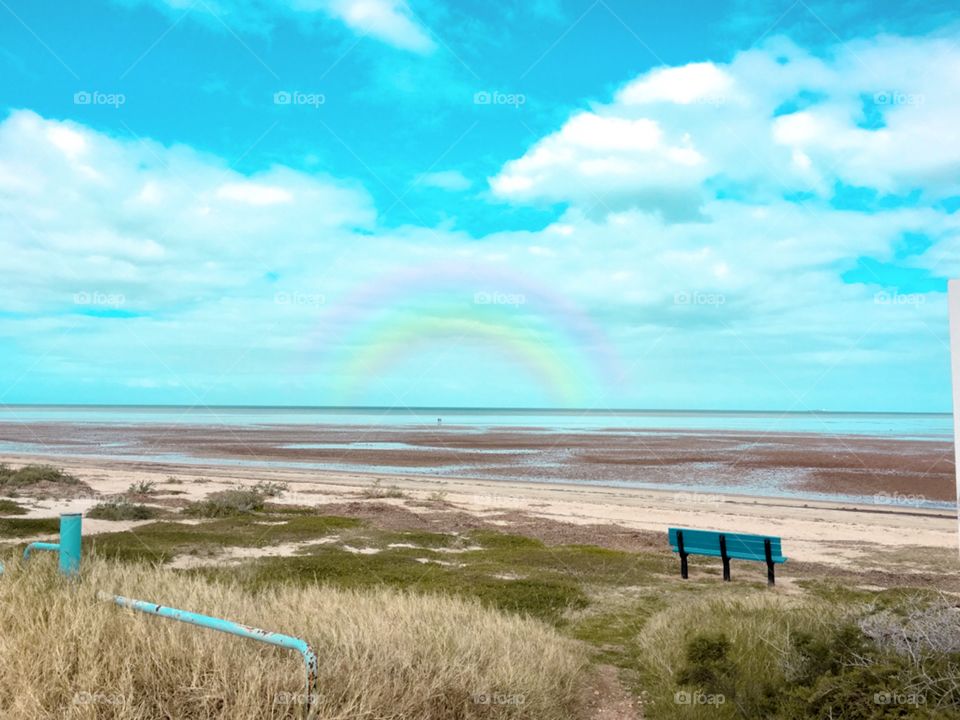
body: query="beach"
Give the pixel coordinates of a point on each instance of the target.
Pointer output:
(859, 538)
(889, 470)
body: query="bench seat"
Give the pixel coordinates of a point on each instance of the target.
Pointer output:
(726, 545)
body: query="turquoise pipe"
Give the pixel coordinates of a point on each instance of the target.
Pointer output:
(53, 547)
(71, 540)
(245, 631)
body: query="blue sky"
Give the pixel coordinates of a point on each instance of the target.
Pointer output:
(550, 203)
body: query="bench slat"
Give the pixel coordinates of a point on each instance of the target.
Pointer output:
(740, 546)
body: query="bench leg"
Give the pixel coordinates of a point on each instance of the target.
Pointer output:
(683, 555)
(725, 557)
(769, 559)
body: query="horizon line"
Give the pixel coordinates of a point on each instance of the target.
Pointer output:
(412, 409)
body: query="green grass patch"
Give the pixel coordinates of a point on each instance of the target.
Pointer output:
(122, 510)
(34, 475)
(162, 541)
(544, 598)
(9, 507)
(228, 503)
(18, 528)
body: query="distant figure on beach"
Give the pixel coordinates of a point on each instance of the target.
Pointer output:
(439, 421)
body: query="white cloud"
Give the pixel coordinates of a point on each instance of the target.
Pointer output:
(253, 193)
(696, 82)
(154, 223)
(774, 120)
(606, 162)
(389, 21)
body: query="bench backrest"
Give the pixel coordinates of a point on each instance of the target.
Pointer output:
(739, 546)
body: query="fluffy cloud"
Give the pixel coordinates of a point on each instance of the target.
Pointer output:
(389, 21)
(153, 223)
(773, 121)
(157, 269)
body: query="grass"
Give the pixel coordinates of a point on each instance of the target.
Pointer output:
(815, 652)
(27, 527)
(228, 503)
(789, 658)
(378, 491)
(122, 510)
(142, 487)
(384, 653)
(9, 507)
(271, 489)
(162, 541)
(34, 475)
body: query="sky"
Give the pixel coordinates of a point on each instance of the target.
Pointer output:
(510, 203)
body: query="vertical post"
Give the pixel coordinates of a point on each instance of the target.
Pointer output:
(724, 557)
(683, 555)
(953, 302)
(769, 556)
(71, 534)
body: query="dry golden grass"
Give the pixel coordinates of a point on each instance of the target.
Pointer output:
(383, 654)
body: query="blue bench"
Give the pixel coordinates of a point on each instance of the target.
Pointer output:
(724, 545)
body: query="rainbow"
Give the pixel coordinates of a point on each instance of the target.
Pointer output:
(385, 321)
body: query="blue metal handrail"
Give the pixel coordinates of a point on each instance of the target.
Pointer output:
(227, 626)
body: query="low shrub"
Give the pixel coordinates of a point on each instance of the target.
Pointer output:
(227, 503)
(122, 510)
(142, 487)
(792, 659)
(378, 490)
(34, 475)
(9, 507)
(271, 489)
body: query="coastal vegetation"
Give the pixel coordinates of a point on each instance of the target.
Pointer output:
(465, 620)
(32, 475)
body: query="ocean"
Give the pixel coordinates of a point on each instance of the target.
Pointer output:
(933, 426)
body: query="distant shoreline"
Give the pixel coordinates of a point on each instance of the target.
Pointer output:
(883, 471)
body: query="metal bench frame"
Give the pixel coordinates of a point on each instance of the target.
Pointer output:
(725, 557)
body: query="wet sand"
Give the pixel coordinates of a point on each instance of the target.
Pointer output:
(885, 470)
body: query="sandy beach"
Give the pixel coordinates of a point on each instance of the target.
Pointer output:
(858, 537)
